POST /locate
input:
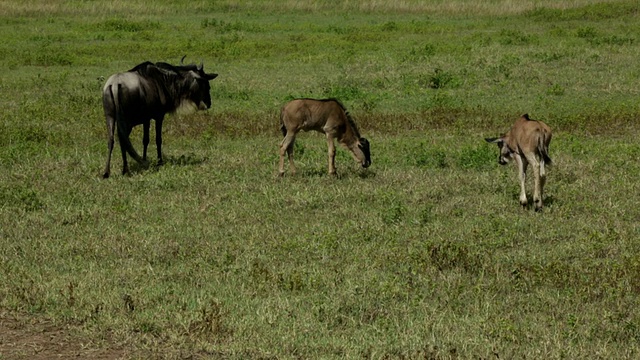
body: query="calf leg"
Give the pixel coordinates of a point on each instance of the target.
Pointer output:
(537, 192)
(542, 176)
(286, 147)
(332, 154)
(522, 176)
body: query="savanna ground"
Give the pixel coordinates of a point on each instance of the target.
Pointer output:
(424, 255)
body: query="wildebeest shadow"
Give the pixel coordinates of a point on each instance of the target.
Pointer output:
(366, 174)
(363, 174)
(313, 172)
(136, 168)
(185, 160)
(549, 200)
(153, 165)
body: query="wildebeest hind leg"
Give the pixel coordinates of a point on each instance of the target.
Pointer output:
(126, 147)
(123, 151)
(159, 141)
(145, 139)
(110, 142)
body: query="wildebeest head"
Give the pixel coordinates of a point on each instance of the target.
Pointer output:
(198, 87)
(506, 153)
(363, 153)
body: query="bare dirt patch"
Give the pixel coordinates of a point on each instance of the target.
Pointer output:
(35, 339)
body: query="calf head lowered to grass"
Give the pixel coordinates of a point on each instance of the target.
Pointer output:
(327, 116)
(527, 142)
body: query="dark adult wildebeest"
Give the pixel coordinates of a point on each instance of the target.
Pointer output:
(150, 91)
(528, 143)
(327, 116)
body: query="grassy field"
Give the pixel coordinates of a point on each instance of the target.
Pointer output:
(426, 254)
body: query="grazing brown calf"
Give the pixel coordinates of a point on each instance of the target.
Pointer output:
(327, 116)
(528, 143)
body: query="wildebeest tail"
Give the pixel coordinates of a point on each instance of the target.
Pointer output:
(121, 126)
(283, 128)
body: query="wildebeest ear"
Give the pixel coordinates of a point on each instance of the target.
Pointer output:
(210, 76)
(494, 140)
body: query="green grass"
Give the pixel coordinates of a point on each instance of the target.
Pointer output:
(425, 254)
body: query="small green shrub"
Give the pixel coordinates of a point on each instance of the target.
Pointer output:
(124, 25)
(515, 37)
(430, 158)
(587, 32)
(394, 212)
(451, 254)
(342, 92)
(389, 26)
(477, 157)
(556, 90)
(426, 214)
(440, 79)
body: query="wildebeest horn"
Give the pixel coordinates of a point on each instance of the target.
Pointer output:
(182, 60)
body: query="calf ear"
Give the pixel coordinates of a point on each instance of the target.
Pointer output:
(494, 140)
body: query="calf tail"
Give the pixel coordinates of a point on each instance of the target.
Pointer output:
(122, 127)
(543, 148)
(283, 128)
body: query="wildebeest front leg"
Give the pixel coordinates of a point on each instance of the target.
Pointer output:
(332, 154)
(522, 176)
(145, 139)
(159, 140)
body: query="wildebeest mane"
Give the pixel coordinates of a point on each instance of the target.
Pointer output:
(169, 77)
(348, 115)
(353, 124)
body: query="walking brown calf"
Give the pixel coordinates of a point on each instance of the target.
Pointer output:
(528, 143)
(327, 116)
